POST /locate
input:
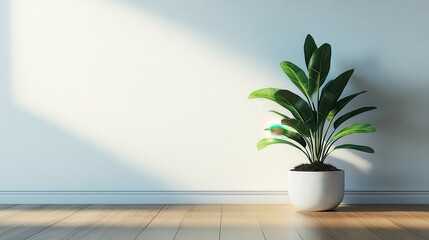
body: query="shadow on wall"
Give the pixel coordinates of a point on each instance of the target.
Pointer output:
(402, 128)
(34, 151)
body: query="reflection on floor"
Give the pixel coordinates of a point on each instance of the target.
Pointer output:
(206, 222)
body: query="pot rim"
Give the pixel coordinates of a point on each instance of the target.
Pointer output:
(339, 170)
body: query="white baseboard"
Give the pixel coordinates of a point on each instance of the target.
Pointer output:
(143, 197)
(386, 197)
(198, 197)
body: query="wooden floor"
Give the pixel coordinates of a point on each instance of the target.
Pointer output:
(207, 222)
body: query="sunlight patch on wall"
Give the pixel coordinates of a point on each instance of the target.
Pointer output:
(157, 95)
(350, 157)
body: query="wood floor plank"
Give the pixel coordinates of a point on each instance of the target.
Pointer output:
(342, 227)
(227, 222)
(415, 211)
(126, 224)
(120, 222)
(133, 222)
(201, 220)
(276, 222)
(28, 223)
(18, 209)
(375, 219)
(412, 221)
(310, 227)
(70, 226)
(239, 222)
(14, 217)
(166, 224)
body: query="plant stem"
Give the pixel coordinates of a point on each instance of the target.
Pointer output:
(312, 145)
(325, 140)
(309, 145)
(329, 144)
(317, 122)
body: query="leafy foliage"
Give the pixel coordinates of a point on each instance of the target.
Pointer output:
(310, 129)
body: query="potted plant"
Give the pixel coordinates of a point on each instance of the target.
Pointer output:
(314, 127)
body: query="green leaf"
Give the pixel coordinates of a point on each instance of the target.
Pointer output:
(282, 130)
(351, 114)
(309, 48)
(355, 147)
(296, 137)
(331, 93)
(268, 141)
(340, 104)
(278, 113)
(296, 124)
(354, 128)
(318, 67)
(296, 75)
(267, 93)
(296, 105)
(289, 100)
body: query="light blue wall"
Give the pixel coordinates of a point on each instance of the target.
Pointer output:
(386, 42)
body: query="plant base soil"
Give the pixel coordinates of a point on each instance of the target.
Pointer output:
(315, 167)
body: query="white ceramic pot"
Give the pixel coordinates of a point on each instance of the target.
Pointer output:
(316, 191)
